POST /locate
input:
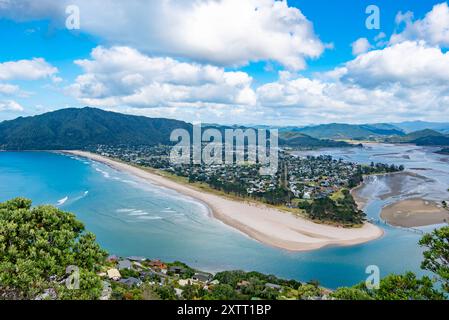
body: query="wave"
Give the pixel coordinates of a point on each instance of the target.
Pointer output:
(138, 213)
(150, 218)
(125, 210)
(104, 173)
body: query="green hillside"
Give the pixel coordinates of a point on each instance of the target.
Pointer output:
(78, 128)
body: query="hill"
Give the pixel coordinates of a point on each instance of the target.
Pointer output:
(299, 140)
(77, 128)
(412, 126)
(424, 137)
(350, 131)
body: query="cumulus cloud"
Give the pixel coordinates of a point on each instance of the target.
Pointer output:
(124, 76)
(359, 46)
(408, 63)
(219, 32)
(403, 81)
(10, 105)
(34, 69)
(433, 28)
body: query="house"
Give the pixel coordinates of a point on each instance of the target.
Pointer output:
(177, 270)
(136, 258)
(184, 282)
(158, 264)
(114, 274)
(131, 282)
(202, 277)
(112, 258)
(273, 286)
(242, 284)
(124, 264)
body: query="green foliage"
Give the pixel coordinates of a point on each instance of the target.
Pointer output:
(299, 140)
(223, 292)
(342, 210)
(350, 294)
(308, 291)
(37, 244)
(166, 292)
(406, 287)
(436, 255)
(80, 128)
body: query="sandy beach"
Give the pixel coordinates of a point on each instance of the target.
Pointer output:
(267, 225)
(415, 213)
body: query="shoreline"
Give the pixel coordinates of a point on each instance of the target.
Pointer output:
(262, 223)
(414, 212)
(410, 212)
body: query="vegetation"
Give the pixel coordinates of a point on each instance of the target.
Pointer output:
(36, 247)
(393, 287)
(38, 244)
(342, 210)
(424, 137)
(351, 131)
(299, 140)
(79, 128)
(436, 255)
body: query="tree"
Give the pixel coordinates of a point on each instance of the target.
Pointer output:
(350, 294)
(38, 244)
(436, 255)
(406, 287)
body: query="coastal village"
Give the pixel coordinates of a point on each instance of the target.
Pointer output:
(137, 278)
(298, 178)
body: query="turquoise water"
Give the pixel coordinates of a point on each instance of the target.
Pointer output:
(132, 217)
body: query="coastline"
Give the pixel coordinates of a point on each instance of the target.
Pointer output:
(410, 212)
(262, 223)
(415, 212)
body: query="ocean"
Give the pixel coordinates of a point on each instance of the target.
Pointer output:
(132, 217)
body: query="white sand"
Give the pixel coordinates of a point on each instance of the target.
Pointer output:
(267, 225)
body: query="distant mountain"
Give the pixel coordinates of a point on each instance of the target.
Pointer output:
(424, 137)
(411, 126)
(350, 131)
(78, 128)
(299, 140)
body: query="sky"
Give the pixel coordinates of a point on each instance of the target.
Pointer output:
(296, 62)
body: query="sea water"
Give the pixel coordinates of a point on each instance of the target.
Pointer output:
(132, 217)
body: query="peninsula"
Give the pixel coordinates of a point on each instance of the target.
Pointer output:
(263, 223)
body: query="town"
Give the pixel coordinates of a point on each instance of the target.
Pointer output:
(305, 184)
(137, 278)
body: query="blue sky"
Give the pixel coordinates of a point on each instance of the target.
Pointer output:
(276, 70)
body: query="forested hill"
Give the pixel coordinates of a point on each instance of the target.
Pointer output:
(78, 128)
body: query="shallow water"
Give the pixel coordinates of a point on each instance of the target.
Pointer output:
(132, 217)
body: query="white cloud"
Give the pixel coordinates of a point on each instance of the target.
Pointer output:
(122, 76)
(9, 89)
(409, 80)
(360, 46)
(10, 105)
(220, 32)
(433, 28)
(408, 63)
(34, 69)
